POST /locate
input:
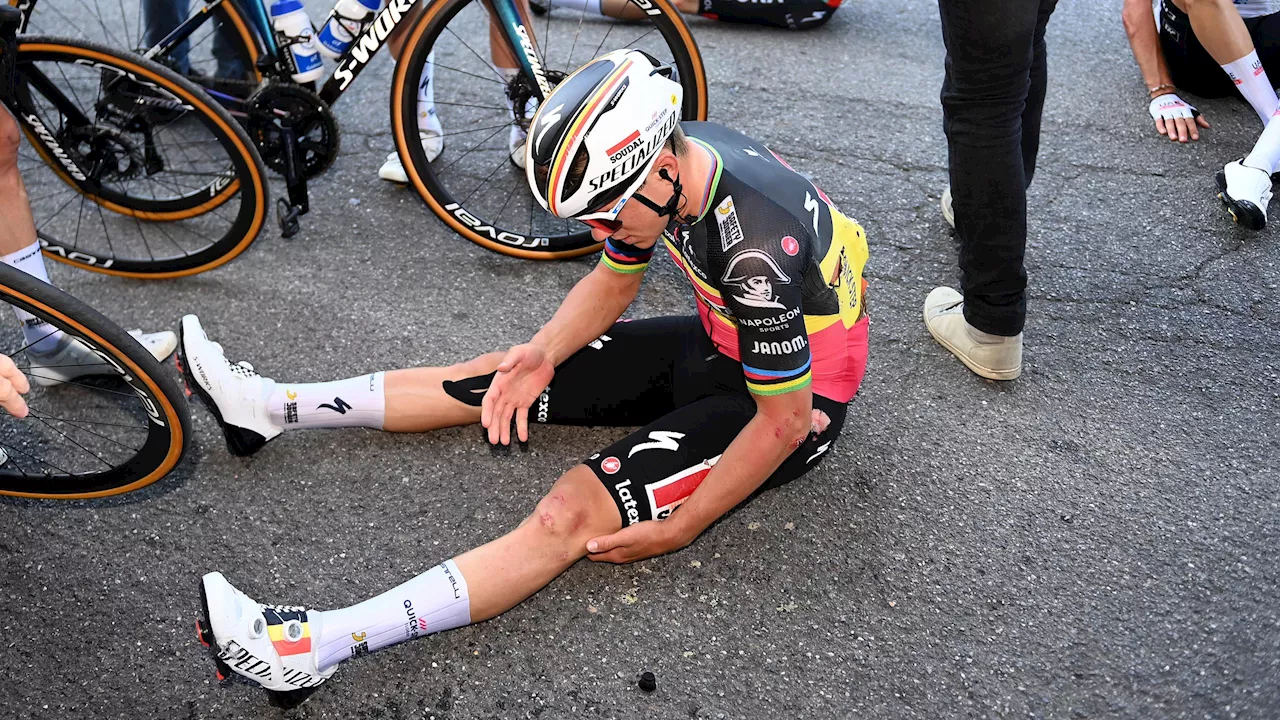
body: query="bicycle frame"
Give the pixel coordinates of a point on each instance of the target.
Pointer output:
(349, 66)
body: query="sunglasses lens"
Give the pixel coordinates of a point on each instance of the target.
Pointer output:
(609, 226)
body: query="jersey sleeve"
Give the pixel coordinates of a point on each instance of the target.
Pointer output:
(763, 289)
(625, 259)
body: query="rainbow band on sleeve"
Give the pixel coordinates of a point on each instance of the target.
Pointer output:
(777, 382)
(564, 159)
(625, 259)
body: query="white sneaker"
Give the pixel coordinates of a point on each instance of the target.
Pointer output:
(271, 645)
(235, 394)
(1246, 191)
(71, 359)
(992, 356)
(432, 144)
(947, 213)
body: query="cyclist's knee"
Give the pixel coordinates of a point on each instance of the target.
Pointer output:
(477, 366)
(576, 507)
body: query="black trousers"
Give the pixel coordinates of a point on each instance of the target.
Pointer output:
(992, 99)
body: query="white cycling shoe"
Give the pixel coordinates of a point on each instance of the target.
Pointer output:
(72, 359)
(432, 143)
(271, 645)
(234, 393)
(1246, 191)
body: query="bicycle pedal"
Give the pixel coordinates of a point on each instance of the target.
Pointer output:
(288, 215)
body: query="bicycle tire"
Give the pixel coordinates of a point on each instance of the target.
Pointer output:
(247, 175)
(423, 177)
(114, 29)
(168, 425)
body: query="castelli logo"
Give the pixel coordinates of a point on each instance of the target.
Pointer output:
(611, 465)
(790, 246)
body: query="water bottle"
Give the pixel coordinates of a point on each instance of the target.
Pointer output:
(289, 19)
(348, 19)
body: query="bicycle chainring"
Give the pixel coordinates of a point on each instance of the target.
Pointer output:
(313, 123)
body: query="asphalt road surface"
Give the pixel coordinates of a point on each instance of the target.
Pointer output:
(1097, 539)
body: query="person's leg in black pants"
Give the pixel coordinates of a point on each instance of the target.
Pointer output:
(992, 99)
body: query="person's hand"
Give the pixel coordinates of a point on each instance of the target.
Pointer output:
(13, 384)
(1176, 118)
(647, 539)
(524, 373)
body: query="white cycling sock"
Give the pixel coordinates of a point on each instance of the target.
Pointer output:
(433, 602)
(41, 336)
(354, 402)
(591, 7)
(427, 119)
(1266, 152)
(1251, 80)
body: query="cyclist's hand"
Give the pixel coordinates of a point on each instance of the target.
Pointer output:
(524, 373)
(12, 386)
(1176, 118)
(647, 539)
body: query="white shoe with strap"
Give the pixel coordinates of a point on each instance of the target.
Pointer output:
(272, 645)
(234, 393)
(71, 359)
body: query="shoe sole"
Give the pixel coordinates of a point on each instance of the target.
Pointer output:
(985, 372)
(1242, 212)
(240, 442)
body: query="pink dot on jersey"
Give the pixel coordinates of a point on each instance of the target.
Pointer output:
(611, 465)
(790, 246)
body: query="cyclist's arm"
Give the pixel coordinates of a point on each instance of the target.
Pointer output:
(1144, 40)
(595, 303)
(781, 423)
(776, 363)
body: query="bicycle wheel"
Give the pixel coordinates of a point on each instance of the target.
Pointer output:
(221, 55)
(131, 169)
(93, 436)
(472, 186)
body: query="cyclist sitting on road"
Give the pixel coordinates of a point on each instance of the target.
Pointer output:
(746, 395)
(793, 14)
(53, 357)
(1184, 49)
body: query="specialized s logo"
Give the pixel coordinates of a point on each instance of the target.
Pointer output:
(548, 121)
(755, 273)
(339, 406)
(662, 440)
(811, 204)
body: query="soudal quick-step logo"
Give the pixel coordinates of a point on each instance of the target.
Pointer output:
(624, 148)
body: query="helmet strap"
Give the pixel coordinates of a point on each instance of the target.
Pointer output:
(672, 208)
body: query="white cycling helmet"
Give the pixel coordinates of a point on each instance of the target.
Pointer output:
(593, 141)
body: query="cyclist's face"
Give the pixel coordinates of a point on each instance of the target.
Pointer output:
(640, 226)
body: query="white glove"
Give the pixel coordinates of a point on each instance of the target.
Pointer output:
(1170, 106)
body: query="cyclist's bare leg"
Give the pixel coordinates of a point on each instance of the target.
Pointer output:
(416, 401)
(502, 573)
(482, 583)
(14, 206)
(1218, 27)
